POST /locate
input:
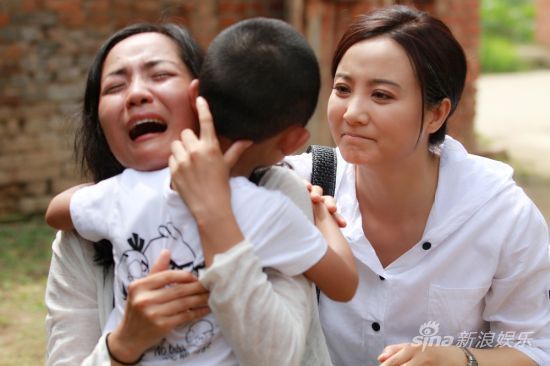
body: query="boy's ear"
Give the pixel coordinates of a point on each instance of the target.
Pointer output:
(193, 92)
(292, 139)
(438, 115)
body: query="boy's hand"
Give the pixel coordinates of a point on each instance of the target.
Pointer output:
(316, 195)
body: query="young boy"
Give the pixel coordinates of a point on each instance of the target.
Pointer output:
(261, 80)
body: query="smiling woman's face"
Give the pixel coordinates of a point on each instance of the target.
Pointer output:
(375, 108)
(144, 102)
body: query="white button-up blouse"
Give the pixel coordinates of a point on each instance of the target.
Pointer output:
(480, 276)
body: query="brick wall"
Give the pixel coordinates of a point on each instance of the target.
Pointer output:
(542, 22)
(464, 20)
(46, 47)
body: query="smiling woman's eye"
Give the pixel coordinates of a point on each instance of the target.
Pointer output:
(341, 89)
(381, 95)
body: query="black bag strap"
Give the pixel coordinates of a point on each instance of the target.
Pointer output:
(323, 173)
(257, 174)
(323, 170)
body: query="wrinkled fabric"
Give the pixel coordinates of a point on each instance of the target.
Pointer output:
(481, 269)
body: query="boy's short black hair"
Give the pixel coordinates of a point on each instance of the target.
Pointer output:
(259, 77)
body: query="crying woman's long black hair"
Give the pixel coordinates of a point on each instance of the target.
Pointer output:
(93, 153)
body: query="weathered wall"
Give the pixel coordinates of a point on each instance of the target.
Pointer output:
(542, 22)
(46, 47)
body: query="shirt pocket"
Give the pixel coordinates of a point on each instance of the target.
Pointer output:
(457, 310)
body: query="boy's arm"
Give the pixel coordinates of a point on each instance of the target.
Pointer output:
(58, 214)
(335, 274)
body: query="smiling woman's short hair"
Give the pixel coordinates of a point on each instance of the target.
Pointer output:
(437, 58)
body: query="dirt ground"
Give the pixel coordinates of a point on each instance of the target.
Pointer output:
(538, 189)
(513, 118)
(22, 335)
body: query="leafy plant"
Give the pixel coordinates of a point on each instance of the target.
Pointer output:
(511, 19)
(505, 23)
(498, 54)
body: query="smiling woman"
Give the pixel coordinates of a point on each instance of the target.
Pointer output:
(373, 112)
(443, 239)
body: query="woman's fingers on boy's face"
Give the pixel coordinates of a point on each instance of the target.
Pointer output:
(179, 160)
(188, 139)
(234, 152)
(178, 150)
(205, 120)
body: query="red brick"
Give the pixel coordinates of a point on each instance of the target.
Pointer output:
(149, 8)
(99, 18)
(100, 6)
(542, 22)
(4, 20)
(29, 5)
(227, 21)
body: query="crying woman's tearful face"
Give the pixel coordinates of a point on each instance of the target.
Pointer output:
(144, 102)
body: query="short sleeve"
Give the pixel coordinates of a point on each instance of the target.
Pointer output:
(284, 237)
(92, 209)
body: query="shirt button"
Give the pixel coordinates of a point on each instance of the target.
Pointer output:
(375, 326)
(382, 278)
(427, 245)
